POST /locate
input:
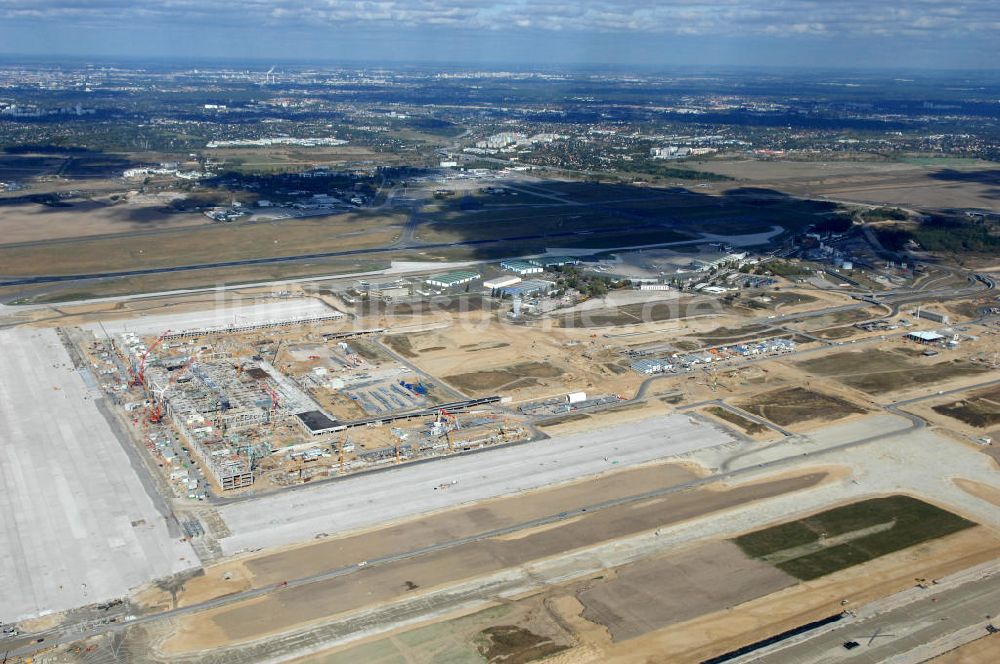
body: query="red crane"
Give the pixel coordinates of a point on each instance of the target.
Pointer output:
(138, 378)
(156, 414)
(274, 396)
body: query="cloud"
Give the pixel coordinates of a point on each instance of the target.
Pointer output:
(724, 18)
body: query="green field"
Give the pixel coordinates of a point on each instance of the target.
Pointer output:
(846, 536)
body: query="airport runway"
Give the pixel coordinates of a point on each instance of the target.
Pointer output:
(45, 279)
(372, 499)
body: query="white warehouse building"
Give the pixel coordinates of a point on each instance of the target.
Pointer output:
(501, 282)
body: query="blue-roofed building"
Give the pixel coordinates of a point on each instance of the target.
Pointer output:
(553, 261)
(529, 288)
(520, 267)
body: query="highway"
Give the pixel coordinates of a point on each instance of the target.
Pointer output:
(889, 635)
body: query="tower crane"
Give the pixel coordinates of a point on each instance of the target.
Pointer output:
(340, 452)
(156, 414)
(138, 378)
(443, 419)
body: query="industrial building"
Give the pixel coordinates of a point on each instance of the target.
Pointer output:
(219, 409)
(648, 367)
(388, 291)
(452, 279)
(501, 282)
(934, 316)
(520, 267)
(713, 261)
(253, 326)
(922, 337)
(529, 288)
(776, 346)
(554, 261)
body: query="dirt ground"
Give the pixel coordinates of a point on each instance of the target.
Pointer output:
(518, 375)
(740, 423)
(315, 557)
(979, 490)
(651, 594)
(837, 318)
(795, 405)
(285, 609)
(880, 371)
(978, 409)
(480, 354)
(722, 631)
(558, 613)
(941, 412)
(981, 651)
(459, 640)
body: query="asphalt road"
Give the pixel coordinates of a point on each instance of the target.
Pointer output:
(898, 630)
(740, 413)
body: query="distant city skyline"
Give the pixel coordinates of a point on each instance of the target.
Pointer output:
(928, 34)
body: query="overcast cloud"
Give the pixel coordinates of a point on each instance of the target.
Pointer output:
(944, 26)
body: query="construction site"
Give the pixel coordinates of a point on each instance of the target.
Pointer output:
(620, 478)
(276, 403)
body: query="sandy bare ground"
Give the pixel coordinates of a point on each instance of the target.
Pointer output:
(724, 630)
(979, 490)
(714, 631)
(983, 651)
(468, 352)
(321, 555)
(294, 607)
(657, 592)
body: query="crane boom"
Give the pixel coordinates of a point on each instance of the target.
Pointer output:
(139, 378)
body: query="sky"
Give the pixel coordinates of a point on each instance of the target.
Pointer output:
(882, 34)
